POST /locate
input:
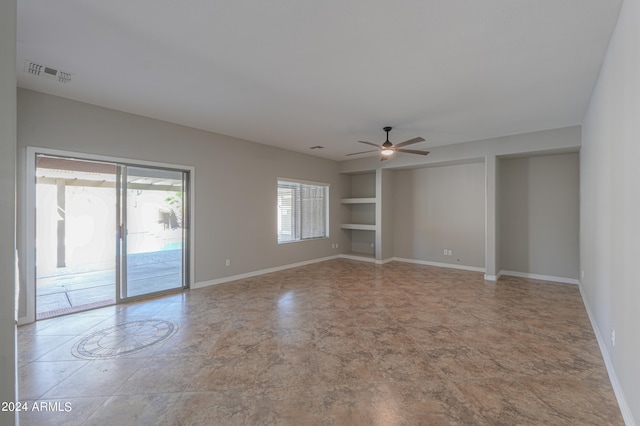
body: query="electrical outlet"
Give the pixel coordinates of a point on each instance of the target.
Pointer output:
(227, 262)
(613, 337)
(582, 274)
(450, 253)
(445, 252)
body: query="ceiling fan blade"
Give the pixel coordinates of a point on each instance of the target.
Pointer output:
(369, 143)
(384, 157)
(409, 142)
(362, 152)
(412, 151)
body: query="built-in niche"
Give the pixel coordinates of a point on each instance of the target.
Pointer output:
(359, 201)
(539, 215)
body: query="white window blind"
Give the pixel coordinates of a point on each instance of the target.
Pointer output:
(302, 210)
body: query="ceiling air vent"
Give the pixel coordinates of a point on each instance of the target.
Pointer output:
(46, 72)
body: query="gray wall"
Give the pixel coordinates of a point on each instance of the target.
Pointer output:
(498, 217)
(539, 215)
(437, 208)
(386, 209)
(610, 205)
(235, 180)
(361, 241)
(7, 206)
(362, 186)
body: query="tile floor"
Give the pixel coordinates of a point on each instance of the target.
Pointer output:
(335, 343)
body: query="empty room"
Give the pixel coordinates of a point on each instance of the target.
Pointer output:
(319, 212)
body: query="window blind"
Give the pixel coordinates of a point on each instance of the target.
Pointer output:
(302, 211)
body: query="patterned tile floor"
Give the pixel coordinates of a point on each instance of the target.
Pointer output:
(335, 343)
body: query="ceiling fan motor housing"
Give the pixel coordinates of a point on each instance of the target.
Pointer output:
(387, 144)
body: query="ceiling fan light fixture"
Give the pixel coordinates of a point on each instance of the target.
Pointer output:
(387, 149)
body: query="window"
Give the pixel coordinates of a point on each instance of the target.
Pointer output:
(302, 210)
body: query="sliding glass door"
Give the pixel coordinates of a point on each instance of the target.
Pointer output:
(75, 203)
(106, 232)
(153, 234)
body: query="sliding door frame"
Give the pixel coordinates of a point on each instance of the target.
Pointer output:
(122, 242)
(30, 217)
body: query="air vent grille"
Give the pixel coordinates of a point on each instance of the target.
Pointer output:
(39, 70)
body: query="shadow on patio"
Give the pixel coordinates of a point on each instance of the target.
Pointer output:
(74, 289)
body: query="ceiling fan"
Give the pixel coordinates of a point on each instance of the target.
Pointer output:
(387, 149)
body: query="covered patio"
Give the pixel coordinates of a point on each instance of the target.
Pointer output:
(74, 289)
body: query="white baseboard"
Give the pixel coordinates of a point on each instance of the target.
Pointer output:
(323, 259)
(365, 259)
(438, 264)
(627, 416)
(540, 277)
(259, 272)
(382, 262)
(359, 258)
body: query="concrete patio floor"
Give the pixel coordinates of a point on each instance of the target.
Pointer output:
(73, 289)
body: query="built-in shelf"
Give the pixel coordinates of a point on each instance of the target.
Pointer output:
(358, 226)
(358, 201)
(359, 204)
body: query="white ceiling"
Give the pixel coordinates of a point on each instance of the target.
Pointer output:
(299, 73)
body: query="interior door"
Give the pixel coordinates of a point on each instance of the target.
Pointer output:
(153, 231)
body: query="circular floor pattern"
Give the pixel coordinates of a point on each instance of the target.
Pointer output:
(124, 339)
